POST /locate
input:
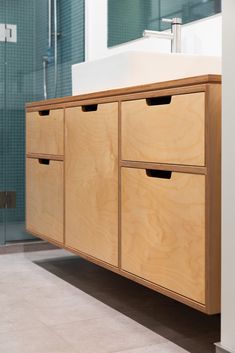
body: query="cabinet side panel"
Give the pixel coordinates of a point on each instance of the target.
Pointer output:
(213, 199)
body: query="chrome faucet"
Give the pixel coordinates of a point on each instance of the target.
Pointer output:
(174, 36)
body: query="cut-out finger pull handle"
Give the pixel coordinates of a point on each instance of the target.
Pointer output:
(158, 100)
(161, 174)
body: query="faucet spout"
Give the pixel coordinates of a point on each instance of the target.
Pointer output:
(174, 35)
(158, 34)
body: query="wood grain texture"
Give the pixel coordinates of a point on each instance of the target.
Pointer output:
(163, 230)
(91, 181)
(45, 156)
(162, 166)
(213, 197)
(188, 81)
(119, 186)
(172, 133)
(45, 134)
(44, 198)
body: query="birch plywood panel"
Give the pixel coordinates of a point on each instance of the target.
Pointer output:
(92, 181)
(163, 230)
(45, 133)
(172, 131)
(44, 198)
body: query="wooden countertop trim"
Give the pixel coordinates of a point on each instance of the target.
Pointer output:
(189, 81)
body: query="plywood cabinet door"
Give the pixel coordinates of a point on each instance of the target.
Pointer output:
(91, 181)
(45, 132)
(45, 198)
(163, 230)
(169, 129)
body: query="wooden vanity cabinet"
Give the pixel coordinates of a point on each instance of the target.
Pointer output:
(133, 183)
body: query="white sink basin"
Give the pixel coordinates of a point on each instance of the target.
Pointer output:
(136, 68)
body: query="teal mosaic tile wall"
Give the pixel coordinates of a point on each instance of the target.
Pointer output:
(21, 81)
(127, 19)
(72, 42)
(2, 119)
(71, 46)
(16, 66)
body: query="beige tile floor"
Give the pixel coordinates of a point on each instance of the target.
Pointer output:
(42, 313)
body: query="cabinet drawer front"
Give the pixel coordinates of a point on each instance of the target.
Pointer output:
(169, 130)
(44, 198)
(163, 229)
(92, 181)
(45, 132)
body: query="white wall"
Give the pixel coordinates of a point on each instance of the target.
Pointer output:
(228, 177)
(200, 37)
(95, 28)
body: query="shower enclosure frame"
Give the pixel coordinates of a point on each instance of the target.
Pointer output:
(48, 59)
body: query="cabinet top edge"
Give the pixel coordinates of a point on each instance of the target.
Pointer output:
(119, 92)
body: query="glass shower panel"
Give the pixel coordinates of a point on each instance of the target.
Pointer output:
(19, 54)
(70, 46)
(2, 120)
(22, 80)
